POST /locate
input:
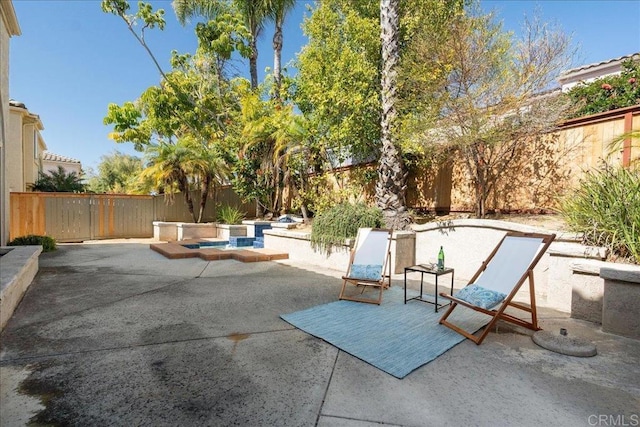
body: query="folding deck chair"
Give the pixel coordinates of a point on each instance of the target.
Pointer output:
(498, 281)
(369, 264)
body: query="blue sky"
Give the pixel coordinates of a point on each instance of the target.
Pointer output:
(72, 59)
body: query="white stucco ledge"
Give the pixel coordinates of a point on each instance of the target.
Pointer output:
(576, 250)
(291, 234)
(588, 266)
(285, 225)
(495, 225)
(621, 273)
(18, 267)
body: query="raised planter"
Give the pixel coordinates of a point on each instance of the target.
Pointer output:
(228, 230)
(19, 266)
(168, 231)
(587, 289)
(468, 242)
(298, 245)
(621, 302)
(189, 230)
(165, 231)
(256, 228)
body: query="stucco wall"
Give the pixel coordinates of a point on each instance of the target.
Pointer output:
(8, 28)
(565, 278)
(69, 167)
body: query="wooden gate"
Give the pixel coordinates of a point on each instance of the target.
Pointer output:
(72, 217)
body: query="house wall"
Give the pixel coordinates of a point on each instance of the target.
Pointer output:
(24, 148)
(69, 167)
(8, 27)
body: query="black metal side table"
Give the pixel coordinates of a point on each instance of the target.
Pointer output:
(427, 269)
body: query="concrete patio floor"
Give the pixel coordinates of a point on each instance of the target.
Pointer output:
(116, 334)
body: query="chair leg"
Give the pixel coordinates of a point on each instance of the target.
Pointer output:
(344, 284)
(447, 313)
(532, 297)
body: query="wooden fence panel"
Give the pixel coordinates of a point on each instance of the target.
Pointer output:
(77, 217)
(121, 216)
(68, 216)
(175, 208)
(72, 217)
(27, 215)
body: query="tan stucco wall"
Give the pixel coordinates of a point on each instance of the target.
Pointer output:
(24, 164)
(52, 166)
(8, 27)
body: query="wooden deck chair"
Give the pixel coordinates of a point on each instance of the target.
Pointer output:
(369, 264)
(498, 280)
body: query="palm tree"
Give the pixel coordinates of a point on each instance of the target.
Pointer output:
(277, 11)
(392, 175)
(59, 181)
(185, 9)
(253, 11)
(279, 134)
(210, 170)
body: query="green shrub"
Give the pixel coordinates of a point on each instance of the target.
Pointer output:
(230, 215)
(48, 243)
(342, 222)
(606, 210)
(608, 93)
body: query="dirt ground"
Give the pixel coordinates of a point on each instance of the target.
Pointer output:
(547, 221)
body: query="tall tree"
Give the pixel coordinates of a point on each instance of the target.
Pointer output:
(272, 133)
(253, 11)
(338, 81)
(187, 146)
(117, 173)
(277, 11)
(209, 9)
(496, 98)
(392, 175)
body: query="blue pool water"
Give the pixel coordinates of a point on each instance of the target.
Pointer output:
(233, 242)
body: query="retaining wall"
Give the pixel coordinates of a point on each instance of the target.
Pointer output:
(567, 278)
(19, 265)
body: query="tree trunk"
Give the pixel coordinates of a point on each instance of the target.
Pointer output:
(184, 187)
(277, 57)
(392, 176)
(204, 194)
(253, 63)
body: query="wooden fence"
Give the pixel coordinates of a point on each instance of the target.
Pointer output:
(72, 217)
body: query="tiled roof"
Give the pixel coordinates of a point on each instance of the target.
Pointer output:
(14, 103)
(598, 64)
(58, 158)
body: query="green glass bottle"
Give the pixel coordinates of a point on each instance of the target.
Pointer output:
(441, 259)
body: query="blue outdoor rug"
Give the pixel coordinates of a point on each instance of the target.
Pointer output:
(393, 337)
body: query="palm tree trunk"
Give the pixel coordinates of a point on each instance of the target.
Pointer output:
(188, 200)
(253, 62)
(277, 59)
(204, 194)
(392, 176)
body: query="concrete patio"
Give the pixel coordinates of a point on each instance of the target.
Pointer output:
(116, 334)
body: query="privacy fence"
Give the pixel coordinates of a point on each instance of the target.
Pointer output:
(542, 167)
(77, 217)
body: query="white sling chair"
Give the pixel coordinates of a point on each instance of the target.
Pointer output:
(369, 265)
(498, 280)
